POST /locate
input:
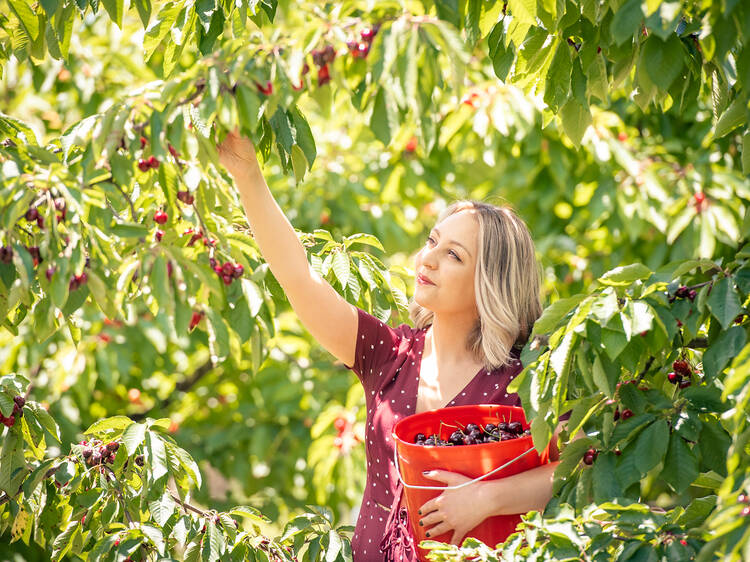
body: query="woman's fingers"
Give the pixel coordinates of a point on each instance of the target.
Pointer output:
(438, 530)
(431, 519)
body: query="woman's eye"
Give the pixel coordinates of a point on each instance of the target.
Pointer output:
(454, 254)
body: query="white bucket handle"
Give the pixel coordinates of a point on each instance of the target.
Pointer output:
(457, 486)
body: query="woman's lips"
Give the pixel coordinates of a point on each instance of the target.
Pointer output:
(422, 280)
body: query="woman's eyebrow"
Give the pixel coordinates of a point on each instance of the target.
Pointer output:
(456, 242)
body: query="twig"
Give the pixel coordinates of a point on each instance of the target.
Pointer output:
(200, 84)
(186, 505)
(125, 195)
(645, 369)
(697, 343)
(183, 385)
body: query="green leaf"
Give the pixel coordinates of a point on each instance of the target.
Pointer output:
(133, 437)
(303, 136)
(604, 379)
(360, 238)
(554, 313)
(705, 398)
(161, 27)
(45, 419)
(212, 542)
(746, 153)
(714, 443)
(724, 302)
(680, 465)
(144, 11)
(651, 446)
(732, 117)
(282, 129)
(502, 57)
(697, 512)
(604, 486)
(104, 426)
(383, 121)
(726, 346)
(157, 456)
(334, 546)
(218, 336)
(663, 59)
(299, 163)
(249, 512)
(162, 509)
(627, 21)
(523, 10)
(129, 230)
(26, 16)
(576, 118)
(341, 267)
(114, 9)
(557, 83)
(625, 275)
(6, 403)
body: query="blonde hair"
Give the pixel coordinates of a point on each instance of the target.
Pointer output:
(506, 283)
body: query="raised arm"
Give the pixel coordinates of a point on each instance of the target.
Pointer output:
(327, 316)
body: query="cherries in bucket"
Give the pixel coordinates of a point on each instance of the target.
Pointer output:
(475, 434)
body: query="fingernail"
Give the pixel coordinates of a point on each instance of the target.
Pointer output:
(419, 512)
(420, 523)
(426, 472)
(427, 534)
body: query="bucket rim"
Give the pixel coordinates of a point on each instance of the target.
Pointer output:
(399, 440)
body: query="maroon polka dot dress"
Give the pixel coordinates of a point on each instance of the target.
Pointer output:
(387, 362)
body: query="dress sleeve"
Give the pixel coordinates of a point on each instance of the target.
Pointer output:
(377, 345)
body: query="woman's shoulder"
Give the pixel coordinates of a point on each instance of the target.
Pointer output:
(403, 329)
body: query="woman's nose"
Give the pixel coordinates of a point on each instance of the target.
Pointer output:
(429, 258)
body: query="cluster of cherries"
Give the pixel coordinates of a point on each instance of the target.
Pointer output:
(360, 49)
(195, 236)
(473, 434)
(322, 58)
(684, 292)
(744, 498)
(681, 374)
(97, 452)
(18, 404)
(227, 270)
(146, 164)
(33, 215)
(6, 254)
(590, 456)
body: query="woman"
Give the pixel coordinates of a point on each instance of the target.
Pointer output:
(475, 302)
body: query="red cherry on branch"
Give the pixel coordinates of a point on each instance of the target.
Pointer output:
(324, 75)
(266, 90)
(161, 217)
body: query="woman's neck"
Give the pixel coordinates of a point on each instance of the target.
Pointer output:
(448, 336)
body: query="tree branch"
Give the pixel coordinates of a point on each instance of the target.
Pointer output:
(182, 386)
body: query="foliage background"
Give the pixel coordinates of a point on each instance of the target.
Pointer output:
(616, 129)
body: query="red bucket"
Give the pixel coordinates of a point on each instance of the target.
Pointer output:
(473, 461)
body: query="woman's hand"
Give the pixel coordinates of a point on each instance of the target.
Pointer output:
(237, 154)
(458, 510)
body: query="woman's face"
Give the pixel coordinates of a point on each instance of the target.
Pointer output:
(448, 259)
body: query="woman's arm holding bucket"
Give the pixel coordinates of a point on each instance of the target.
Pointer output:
(463, 509)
